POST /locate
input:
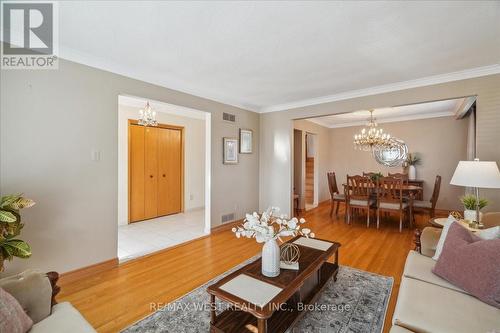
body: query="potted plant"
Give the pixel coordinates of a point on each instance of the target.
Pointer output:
(267, 228)
(412, 160)
(10, 228)
(470, 204)
(376, 176)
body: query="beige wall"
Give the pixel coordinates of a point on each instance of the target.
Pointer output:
(50, 121)
(194, 158)
(440, 142)
(276, 177)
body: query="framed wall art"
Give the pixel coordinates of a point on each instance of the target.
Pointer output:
(246, 139)
(230, 150)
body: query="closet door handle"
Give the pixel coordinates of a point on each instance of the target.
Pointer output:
(163, 175)
(150, 176)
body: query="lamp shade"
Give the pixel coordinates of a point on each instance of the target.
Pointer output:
(483, 174)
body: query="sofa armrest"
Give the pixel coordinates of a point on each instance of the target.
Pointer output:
(426, 240)
(491, 219)
(34, 290)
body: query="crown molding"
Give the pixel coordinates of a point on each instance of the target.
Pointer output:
(318, 120)
(426, 81)
(161, 80)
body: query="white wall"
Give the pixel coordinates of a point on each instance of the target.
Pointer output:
(51, 120)
(194, 158)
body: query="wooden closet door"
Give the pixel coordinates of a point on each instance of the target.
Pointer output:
(169, 171)
(151, 172)
(136, 173)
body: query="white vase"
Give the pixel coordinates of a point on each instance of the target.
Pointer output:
(412, 172)
(271, 258)
(470, 215)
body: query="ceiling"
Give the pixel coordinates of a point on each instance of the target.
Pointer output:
(269, 56)
(446, 108)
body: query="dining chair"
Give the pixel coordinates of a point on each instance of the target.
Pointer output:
(358, 196)
(430, 205)
(390, 199)
(403, 176)
(335, 195)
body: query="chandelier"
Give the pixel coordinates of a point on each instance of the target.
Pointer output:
(372, 137)
(147, 117)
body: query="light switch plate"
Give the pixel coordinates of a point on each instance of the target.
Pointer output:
(95, 155)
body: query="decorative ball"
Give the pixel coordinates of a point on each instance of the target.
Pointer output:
(290, 253)
(456, 215)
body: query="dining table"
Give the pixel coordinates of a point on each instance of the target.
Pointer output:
(411, 190)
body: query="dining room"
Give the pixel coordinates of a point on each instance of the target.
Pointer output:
(392, 162)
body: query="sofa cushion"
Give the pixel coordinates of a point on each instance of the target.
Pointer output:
(442, 237)
(489, 233)
(13, 319)
(424, 308)
(32, 290)
(420, 267)
(472, 264)
(64, 318)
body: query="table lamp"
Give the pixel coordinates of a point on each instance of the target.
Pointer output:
(477, 174)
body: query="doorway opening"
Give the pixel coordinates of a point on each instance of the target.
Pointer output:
(305, 170)
(311, 167)
(163, 177)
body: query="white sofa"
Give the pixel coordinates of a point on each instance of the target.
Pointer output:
(429, 304)
(33, 290)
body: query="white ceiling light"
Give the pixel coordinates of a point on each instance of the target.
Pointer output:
(147, 117)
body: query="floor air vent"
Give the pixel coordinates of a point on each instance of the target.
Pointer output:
(227, 218)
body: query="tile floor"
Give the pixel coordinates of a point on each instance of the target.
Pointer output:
(140, 238)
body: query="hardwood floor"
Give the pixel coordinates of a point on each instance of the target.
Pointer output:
(116, 298)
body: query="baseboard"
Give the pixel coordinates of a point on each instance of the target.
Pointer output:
(325, 202)
(87, 271)
(193, 209)
(226, 226)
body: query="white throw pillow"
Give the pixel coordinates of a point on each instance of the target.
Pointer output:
(490, 233)
(440, 244)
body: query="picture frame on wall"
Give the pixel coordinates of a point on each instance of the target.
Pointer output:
(246, 140)
(230, 150)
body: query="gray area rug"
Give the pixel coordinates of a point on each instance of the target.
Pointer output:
(355, 303)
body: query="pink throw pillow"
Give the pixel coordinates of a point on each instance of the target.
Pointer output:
(471, 263)
(13, 319)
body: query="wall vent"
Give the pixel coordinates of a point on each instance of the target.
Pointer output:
(229, 117)
(227, 218)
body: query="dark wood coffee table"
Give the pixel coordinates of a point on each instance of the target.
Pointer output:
(299, 288)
